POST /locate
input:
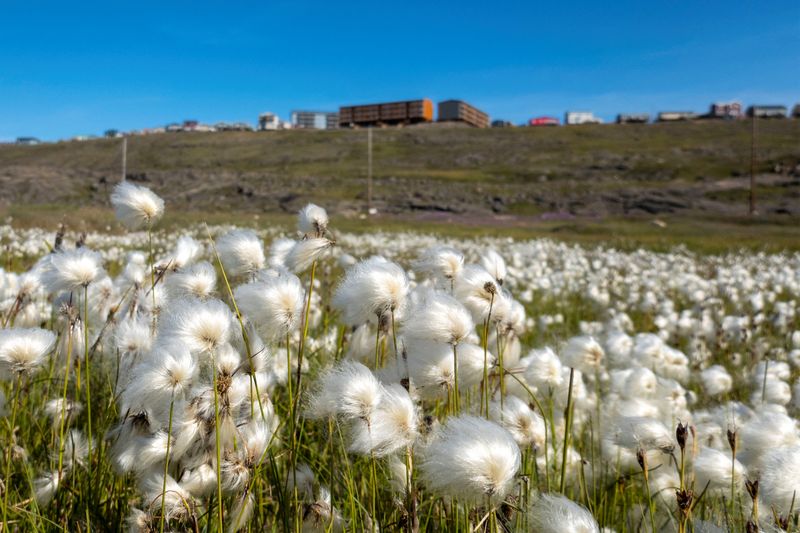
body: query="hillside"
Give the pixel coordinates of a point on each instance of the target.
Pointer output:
(585, 171)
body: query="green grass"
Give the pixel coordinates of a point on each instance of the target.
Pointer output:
(712, 149)
(707, 235)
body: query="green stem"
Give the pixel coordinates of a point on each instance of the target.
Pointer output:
(567, 432)
(485, 395)
(166, 460)
(10, 444)
(218, 450)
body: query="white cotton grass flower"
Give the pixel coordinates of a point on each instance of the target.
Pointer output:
(76, 449)
(201, 325)
(304, 253)
(470, 458)
(712, 468)
(241, 252)
(349, 390)
(441, 262)
(583, 353)
(765, 431)
(525, 425)
(175, 497)
(72, 269)
(641, 383)
(780, 477)
(441, 318)
(372, 290)
(45, 488)
(135, 270)
(633, 433)
(495, 265)
(171, 371)
(274, 306)
(480, 293)
(54, 409)
(321, 516)
(716, 380)
(312, 219)
(776, 392)
(187, 251)
(199, 280)
(430, 366)
(136, 206)
(553, 513)
(278, 250)
(241, 512)
(393, 425)
(544, 369)
(24, 350)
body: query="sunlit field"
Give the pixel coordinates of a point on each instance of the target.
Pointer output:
(214, 378)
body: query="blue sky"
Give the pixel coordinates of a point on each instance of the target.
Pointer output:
(69, 68)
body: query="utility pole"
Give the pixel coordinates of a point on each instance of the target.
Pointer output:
(124, 157)
(753, 133)
(369, 170)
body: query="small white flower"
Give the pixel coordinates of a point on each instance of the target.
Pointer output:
(136, 206)
(23, 350)
(470, 458)
(312, 219)
(73, 269)
(241, 252)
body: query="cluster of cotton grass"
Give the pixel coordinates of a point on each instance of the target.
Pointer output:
(392, 383)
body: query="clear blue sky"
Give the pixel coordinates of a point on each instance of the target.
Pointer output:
(69, 68)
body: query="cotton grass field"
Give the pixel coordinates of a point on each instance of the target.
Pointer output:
(224, 379)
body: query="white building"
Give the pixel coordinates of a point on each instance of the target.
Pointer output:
(268, 121)
(315, 120)
(581, 117)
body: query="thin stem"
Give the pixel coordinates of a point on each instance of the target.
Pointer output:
(485, 384)
(64, 402)
(166, 460)
(88, 391)
(218, 449)
(7, 478)
(567, 432)
(456, 394)
(151, 261)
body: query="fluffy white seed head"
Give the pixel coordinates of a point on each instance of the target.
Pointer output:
(199, 280)
(348, 390)
(136, 206)
(441, 318)
(544, 369)
(442, 263)
(72, 269)
(780, 477)
(495, 265)
(633, 433)
(24, 350)
(553, 513)
(201, 325)
(479, 291)
(716, 380)
(470, 458)
(187, 251)
(525, 425)
(371, 290)
(583, 353)
(303, 253)
(241, 252)
(278, 251)
(274, 306)
(713, 468)
(393, 426)
(312, 219)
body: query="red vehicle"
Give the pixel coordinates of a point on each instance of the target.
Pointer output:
(543, 121)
